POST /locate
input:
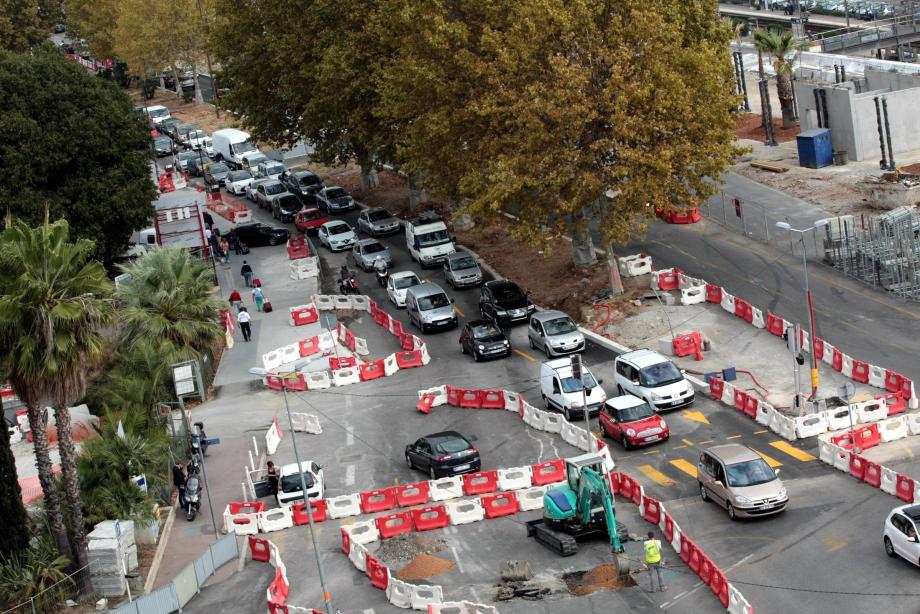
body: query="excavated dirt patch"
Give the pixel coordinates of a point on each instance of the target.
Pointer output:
(408, 546)
(424, 566)
(601, 578)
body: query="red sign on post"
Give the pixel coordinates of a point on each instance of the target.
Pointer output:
(737, 202)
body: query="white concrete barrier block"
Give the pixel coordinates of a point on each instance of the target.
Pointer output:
(728, 302)
(828, 356)
(360, 302)
(809, 426)
(317, 380)
(390, 366)
(399, 593)
(276, 519)
(443, 489)
(889, 482)
(893, 428)
(693, 296)
(516, 478)
(552, 423)
(764, 413)
(346, 376)
(871, 411)
(465, 512)
(439, 392)
(363, 532)
(344, 506)
(842, 459)
(876, 377)
(913, 424)
(839, 418)
(358, 556)
(531, 498)
(424, 595)
(758, 320)
(323, 302)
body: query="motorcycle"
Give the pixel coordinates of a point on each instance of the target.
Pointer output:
(192, 491)
(199, 440)
(382, 275)
(348, 285)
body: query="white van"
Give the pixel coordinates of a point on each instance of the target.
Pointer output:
(229, 146)
(650, 376)
(428, 240)
(157, 113)
(562, 392)
(142, 242)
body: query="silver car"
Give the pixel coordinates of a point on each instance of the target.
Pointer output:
(740, 480)
(461, 270)
(336, 235)
(429, 307)
(252, 187)
(366, 251)
(555, 333)
(266, 193)
(377, 221)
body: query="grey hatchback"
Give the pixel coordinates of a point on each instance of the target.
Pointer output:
(461, 270)
(366, 251)
(555, 333)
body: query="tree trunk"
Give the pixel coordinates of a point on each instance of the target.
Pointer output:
(417, 195)
(784, 92)
(583, 253)
(46, 479)
(178, 85)
(369, 178)
(72, 491)
(199, 97)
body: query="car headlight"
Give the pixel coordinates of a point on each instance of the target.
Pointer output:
(664, 424)
(500, 312)
(576, 405)
(480, 347)
(782, 493)
(631, 432)
(656, 397)
(506, 343)
(742, 500)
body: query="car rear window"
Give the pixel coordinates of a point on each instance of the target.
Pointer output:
(451, 445)
(218, 168)
(336, 193)
(376, 216)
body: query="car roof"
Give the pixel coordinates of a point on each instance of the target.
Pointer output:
(426, 289)
(401, 274)
(292, 467)
(364, 242)
(625, 401)
(444, 435)
(334, 187)
(502, 283)
(642, 358)
(481, 322)
(375, 209)
(304, 173)
(910, 510)
(733, 453)
(332, 223)
(549, 314)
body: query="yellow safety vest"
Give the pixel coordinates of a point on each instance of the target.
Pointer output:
(652, 551)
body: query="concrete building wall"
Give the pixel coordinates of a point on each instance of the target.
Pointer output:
(889, 80)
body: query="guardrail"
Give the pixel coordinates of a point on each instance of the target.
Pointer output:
(881, 30)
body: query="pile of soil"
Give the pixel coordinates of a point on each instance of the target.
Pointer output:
(601, 578)
(408, 546)
(424, 566)
(749, 127)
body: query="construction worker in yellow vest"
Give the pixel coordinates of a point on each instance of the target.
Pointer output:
(653, 561)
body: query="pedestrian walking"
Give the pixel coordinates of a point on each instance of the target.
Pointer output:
(246, 272)
(244, 318)
(208, 220)
(258, 297)
(271, 472)
(208, 233)
(653, 561)
(236, 301)
(178, 472)
(234, 240)
(224, 246)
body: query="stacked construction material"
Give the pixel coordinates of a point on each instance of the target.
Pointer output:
(112, 553)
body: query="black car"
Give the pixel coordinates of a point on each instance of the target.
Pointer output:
(163, 146)
(334, 199)
(302, 183)
(258, 234)
(443, 454)
(285, 207)
(166, 126)
(503, 302)
(196, 165)
(216, 174)
(483, 339)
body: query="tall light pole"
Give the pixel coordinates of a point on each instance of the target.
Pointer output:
(809, 304)
(327, 598)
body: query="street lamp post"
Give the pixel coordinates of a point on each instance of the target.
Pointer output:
(327, 598)
(809, 304)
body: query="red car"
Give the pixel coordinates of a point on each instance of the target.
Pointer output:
(309, 220)
(632, 422)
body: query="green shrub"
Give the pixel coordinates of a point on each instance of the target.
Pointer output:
(31, 573)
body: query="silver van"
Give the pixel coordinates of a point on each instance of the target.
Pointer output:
(429, 307)
(740, 480)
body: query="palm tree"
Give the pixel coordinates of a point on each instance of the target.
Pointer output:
(54, 303)
(782, 47)
(169, 303)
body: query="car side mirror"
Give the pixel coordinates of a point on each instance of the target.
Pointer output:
(719, 484)
(635, 382)
(683, 371)
(600, 382)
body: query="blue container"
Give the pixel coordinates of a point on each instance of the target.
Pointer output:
(729, 374)
(815, 149)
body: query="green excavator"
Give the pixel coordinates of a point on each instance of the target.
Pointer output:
(580, 509)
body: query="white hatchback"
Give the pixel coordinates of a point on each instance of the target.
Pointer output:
(290, 486)
(900, 534)
(398, 283)
(337, 235)
(650, 376)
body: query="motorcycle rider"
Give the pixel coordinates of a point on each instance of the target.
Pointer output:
(380, 267)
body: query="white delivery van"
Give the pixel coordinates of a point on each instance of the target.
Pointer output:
(158, 113)
(562, 392)
(428, 240)
(230, 145)
(142, 242)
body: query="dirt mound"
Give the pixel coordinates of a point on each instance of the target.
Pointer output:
(408, 546)
(750, 127)
(601, 578)
(424, 566)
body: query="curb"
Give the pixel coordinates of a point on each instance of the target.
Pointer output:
(161, 550)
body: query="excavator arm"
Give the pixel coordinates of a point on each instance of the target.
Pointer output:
(592, 484)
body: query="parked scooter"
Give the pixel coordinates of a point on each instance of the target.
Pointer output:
(199, 440)
(192, 490)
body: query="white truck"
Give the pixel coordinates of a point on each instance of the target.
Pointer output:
(142, 241)
(428, 239)
(230, 145)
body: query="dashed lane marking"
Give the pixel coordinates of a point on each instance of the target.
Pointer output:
(762, 432)
(770, 460)
(459, 311)
(524, 355)
(656, 476)
(349, 475)
(688, 442)
(686, 467)
(792, 451)
(733, 437)
(349, 435)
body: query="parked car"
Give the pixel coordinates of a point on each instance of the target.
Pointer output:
(740, 480)
(257, 234)
(377, 221)
(237, 181)
(163, 146)
(180, 133)
(302, 183)
(334, 200)
(267, 192)
(156, 113)
(503, 301)
(461, 270)
(366, 251)
(562, 392)
(483, 339)
(900, 533)
(428, 306)
(183, 158)
(290, 484)
(251, 161)
(285, 207)
(165, 127)
(270, 168)
(650, 376)
(308, 221)
(443, 454)
(336, 235)
(197, 166)
(251, 188)
(555, 333)
(195, 139)
(397, 285)
(632, 422)
(216, 174)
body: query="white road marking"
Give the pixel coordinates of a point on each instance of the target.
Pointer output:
(349, 435)
(695, 588)
(457, 558)
(368, 611)
(349, 475)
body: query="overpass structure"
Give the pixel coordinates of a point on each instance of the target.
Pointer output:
(768, 17)
(882, 34)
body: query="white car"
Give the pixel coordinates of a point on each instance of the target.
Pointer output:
(398, 283)
(900, 534)
(271, 169)
(237, 181)
(290, 489)
(196, 139)
(650, 376)
(337, 235)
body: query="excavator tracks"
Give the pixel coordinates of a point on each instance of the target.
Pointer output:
(561, 543)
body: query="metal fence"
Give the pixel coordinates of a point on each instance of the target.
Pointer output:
(187, 583)
(50, 599)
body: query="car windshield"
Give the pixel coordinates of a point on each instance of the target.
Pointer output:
(451, 446)
(373, 248)
(274, 188)
(310, 179)
(162, 141)
(433, 301)
(466, 262)
(184, 129)
(188, 155)
(339, 229)
(430, 239)
(197, 134)
(255, 159)
(218, 168)
(274, 169)
(507, 292)
(406, 282)
(570, 384)
(291, 483)
(334, 192)
(158, 112)
(662, 374)
(639, 412)
(243, 147)
(487, 332)
(750, 473)
(239, 176)
(560, 326)
(378, 215)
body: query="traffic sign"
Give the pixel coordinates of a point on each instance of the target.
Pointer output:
(213, 441)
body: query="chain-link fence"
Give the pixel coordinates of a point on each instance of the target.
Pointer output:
(53, 598)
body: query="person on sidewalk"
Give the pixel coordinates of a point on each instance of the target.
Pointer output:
(258, 297)
(236, 300)
(208, 220)
(244, 318)
(235, 242)
(178, 472)
(653, 561)
(271, 472)
(224, 249)
(246, 272)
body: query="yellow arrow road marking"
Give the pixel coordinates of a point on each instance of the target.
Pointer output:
(696, 416)
(792, 451)
(524, 355)
(457, 309)
(688, 468)
(770, 461)
(655, 475)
